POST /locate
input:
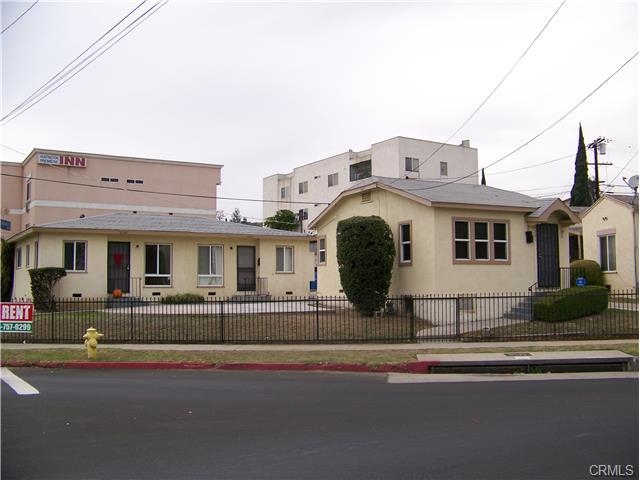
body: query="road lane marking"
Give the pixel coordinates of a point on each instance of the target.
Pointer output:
(20, 386)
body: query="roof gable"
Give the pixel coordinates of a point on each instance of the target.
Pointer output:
(452, 194)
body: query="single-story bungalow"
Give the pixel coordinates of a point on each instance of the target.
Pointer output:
(453, 237)
(610, 237)
(157, 255)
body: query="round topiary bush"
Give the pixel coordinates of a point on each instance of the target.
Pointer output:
(588, 269)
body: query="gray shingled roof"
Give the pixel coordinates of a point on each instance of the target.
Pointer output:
(463, 193)
(624, 198)
(166, 223)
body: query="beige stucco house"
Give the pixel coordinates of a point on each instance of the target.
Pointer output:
(453, 238)
(610, 237)
(148, 255)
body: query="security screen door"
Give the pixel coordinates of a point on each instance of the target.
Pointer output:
(118, 255)
(246, 269)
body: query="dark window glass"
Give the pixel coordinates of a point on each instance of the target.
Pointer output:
(361, 170)
(68, 256)
(151, 259)
(500, 251)
(499, 231)
(462, 229)
(482, 250)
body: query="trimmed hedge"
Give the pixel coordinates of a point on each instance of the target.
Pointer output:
(570, 303)
(179, 298)
(8, 252)
(365, 253)
(42, 282)
(588, 269)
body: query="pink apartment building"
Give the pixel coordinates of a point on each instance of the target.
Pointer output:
(51, 185)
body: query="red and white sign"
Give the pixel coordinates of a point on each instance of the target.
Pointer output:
(62, 160)
(16, 312)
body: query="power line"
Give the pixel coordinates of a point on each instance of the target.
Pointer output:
(176, 194)
(533, 166)
(103, 49)
(58, 74)
(23, 14)
(12, 149)
(621, 170)
(539, 134)
(494, 88)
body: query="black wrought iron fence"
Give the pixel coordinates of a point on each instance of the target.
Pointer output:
(406, 318)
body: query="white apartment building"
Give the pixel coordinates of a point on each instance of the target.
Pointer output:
(309, 188)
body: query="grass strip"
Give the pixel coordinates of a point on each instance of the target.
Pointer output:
(365, 357)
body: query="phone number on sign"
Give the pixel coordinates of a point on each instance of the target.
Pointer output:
(15, 327)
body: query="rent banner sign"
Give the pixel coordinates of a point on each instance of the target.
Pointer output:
(16, 317)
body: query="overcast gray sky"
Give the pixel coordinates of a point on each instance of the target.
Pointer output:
(264, 87)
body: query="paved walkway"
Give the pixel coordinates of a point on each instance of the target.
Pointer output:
(323, 347)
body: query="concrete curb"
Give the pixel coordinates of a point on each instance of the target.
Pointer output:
(409, 367)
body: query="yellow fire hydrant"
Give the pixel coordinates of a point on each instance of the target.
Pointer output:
(91, 341)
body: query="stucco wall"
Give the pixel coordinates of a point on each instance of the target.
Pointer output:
(84, 191)
(433, 269)
(93, 282)
(613, 217)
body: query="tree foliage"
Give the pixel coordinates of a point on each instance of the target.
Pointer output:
(282, 220)
(581, 192)
(8, 252)
(42, 282)
(365, 253)
(236, 217)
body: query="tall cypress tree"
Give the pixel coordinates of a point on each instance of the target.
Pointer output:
(580, 192)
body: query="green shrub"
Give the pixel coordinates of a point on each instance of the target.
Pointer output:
(588, 269)
(365, 253)
(8, 252)
(42, 282)
(183, 298)
(570, 303)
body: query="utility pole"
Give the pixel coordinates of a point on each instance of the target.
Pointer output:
(599, 143)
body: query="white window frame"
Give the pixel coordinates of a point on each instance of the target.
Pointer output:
(18, 258)
(75, 255)
(491, 242)
(322, 250)
(35, 253)
(411, 164)
(303, 187)
(287, 251)
(404, 242)
(497, 241)
(444, 169)
(211, 278)
(284, 193)
(27, 255)
(482, 241)
(466, 240)
(157, 274)
(608, 261)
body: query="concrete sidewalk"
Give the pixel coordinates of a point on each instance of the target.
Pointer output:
(325, 347)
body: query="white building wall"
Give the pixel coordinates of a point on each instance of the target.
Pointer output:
(387, 160)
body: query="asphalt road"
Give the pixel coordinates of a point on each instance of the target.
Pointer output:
(126, 424)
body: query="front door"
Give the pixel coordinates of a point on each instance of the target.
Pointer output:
(118, 255)
(548, 256)
(246, 269)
